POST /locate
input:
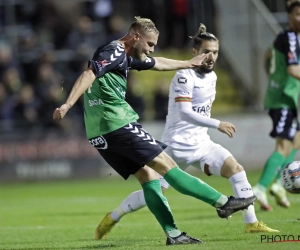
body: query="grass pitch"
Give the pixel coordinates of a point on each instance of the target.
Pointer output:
(64, 214)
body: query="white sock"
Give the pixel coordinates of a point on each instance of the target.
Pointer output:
(261, 188)
(243, 189)
(133, 202)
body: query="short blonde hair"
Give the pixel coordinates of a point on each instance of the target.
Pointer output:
(143, 25)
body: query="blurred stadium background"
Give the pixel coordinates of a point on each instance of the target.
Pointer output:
(45, 44)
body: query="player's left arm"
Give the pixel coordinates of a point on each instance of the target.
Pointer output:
(165, 64)
(83, 82)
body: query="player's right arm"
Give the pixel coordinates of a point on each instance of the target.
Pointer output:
(83, 82)
(104, 60)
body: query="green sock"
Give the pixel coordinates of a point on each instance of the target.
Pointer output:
(288, 160)
(269, 173)
(192, 186)
(159, 206)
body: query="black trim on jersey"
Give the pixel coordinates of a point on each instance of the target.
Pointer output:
(112, 58)
(148, 63)
(287, 42)
(109, 58)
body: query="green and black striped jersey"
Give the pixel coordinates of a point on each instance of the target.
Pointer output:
(105, 108)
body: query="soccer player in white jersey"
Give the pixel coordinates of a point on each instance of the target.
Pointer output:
(192, 92)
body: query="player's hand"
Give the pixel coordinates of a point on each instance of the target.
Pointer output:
(59, 113)
(200, 60)
(227, 128)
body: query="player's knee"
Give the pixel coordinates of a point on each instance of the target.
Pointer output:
(162, 163)
(230, 168)
(239, 168)
(236, 168)
(296, 144)
(146, 174)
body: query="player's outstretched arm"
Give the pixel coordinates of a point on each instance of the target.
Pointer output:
(82, 83)
(227, 128)
(165, 64)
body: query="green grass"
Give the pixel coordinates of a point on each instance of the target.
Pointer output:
(64, 214)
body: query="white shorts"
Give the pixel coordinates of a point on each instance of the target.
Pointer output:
(207, 156)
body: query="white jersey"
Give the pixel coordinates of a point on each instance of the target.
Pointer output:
(188, 85)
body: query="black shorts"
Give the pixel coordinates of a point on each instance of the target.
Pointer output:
(285, 123)
(128, 149)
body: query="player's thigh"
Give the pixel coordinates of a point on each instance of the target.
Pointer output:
(121, 164)
(284, 146)
(211, 158)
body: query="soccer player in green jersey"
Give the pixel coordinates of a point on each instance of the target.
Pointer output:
(282, 62)
(191, 95)
(112, 128)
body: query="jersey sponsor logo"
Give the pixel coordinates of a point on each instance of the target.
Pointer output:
(99, 142)
(95, 102)
(182, 80)
(101, 64)
(203, 110)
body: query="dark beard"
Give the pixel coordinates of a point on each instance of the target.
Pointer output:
(204, 70)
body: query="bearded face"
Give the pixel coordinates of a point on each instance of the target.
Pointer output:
(212, 47)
